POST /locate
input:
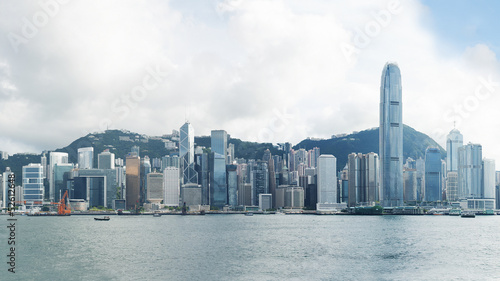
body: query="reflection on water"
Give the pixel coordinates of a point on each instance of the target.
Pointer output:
(272, 247)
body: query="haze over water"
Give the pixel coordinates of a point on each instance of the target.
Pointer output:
(261, 247)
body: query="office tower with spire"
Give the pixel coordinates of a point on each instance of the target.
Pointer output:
(391, 136)
(186, 154)
(454, 141)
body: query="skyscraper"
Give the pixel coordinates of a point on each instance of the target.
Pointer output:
(186, 143)
(470, 171)
(391, 136)
(132, 181)
(218, 186)
(219, 142)
(260, 181)
(410, 184)
(489, 178)
(55, 158)
(232, 185)
(86, 158)
(433, 188)
(327, 179)
(5, 186)
(145, 170)
(155, 192)
(33, 184)
(218, 159)
(363, 175)
(186, 154)
(171, 186)
(452, 186)
(106, 160)
(454, 141)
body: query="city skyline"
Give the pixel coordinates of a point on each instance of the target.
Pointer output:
(276, 76)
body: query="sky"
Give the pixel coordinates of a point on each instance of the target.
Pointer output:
(266, 71)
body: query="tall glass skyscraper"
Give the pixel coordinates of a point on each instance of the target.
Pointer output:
(55, 158)
(186, 154)
(470, 171)
(454, 141)
(86, 158)
(218, 185)
(186, 143)
(433, 188)
(219, 142)
(391, 136)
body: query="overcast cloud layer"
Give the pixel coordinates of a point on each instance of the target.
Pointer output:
(271, 71)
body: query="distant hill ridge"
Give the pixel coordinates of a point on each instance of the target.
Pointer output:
(120, 143)
(414, 144)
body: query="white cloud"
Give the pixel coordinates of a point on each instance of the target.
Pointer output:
(262, 70)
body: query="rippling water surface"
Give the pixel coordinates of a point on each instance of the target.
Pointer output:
(260, 247)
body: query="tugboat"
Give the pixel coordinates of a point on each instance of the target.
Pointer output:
(106, 218)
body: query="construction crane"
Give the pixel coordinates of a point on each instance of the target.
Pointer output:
(63, 209)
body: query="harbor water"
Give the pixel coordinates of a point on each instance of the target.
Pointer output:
(259, 247)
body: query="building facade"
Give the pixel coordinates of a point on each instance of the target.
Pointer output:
(454, 141)
(433, 188)
(327, 179)
(391, 137)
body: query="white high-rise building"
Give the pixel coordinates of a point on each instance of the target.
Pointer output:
(155, 188)
(327, 179)
(86, 158)
(55, 158)
(454, 141)
(489, 178)
(33, 185)
(171, 186)
(5, 187)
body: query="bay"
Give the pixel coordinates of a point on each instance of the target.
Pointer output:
(259, 247)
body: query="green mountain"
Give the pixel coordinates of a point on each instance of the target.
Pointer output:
(414, 144)
(120, 143)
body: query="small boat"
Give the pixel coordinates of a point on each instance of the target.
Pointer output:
(106, 218)
(468, 215)
(249, 214)
(156, 215)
